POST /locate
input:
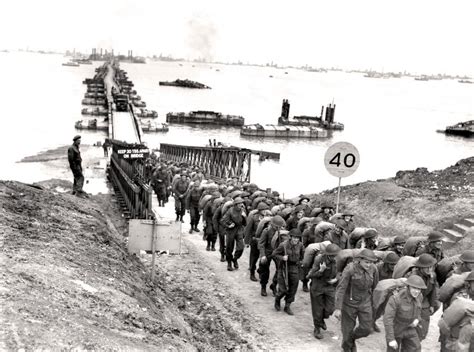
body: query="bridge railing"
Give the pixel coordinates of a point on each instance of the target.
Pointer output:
(216, 162)
(128, 176)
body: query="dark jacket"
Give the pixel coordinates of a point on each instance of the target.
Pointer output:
(180, 187)
(400, 312)
(216, 220)
(292, 222)
(193, 196)
(234, 216)
(434, 252)
(295, 252)
(251, 227)
(430, 293)
(384, 272)
(311, 236)
(74, 158)
(356, 285)
(322, 278)
(265, 242)
(341, 240)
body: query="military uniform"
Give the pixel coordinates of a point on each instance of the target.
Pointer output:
(266, 250)
(287, 286)
(354, 299)
(75, 163)
(401, 310)
(220, 230)
(234, 234)
(369, 244)
(310, 235)
(192, 203)
(430, 299)
(384, 271)
(434, 252)
(322, 292)
(209, 232)
(341, 240)
(251, 239)
(180, 188)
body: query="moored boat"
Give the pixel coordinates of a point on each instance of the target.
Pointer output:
(184, 83)
(465, 129)
(94, 111)
(91, 124)
(327, 122)
(70, 63)
(205, 117)
(146, 113)
(92, 101)
(152, 126)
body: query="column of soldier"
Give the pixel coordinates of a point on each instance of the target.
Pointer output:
(353, 274)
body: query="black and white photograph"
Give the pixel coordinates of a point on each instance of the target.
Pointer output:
(237, 175)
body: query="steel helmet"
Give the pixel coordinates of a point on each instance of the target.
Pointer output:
(467, 256)
(332, 249)
(470, 277)
(425, 261)
(367, 254)
(435, 236)
(370, 233)
(262, 206)
(391, 258)
(238, 200)
(295, 233)
(399, 240)
(416, 281)
(277, 220)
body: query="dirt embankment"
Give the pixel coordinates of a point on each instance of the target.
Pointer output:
(67, 281)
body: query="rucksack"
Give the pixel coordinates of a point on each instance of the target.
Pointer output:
(279, 237)
(413, 244)
(403, 266)
(383, 291)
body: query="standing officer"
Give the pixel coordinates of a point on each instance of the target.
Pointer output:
(265, 248)
(402, 316)
(75, 163)
(289, 254)
(234, 221)
(354, 298)
(323, 277)
(250, 238)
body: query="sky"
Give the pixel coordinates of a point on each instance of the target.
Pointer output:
(416, 35)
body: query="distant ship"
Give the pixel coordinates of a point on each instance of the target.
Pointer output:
(185, 83)
(465, 129)
(205, 118)
(465, 81)
(422, 78)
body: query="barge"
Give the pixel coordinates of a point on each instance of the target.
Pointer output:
(278, 131)
(205, 118)
(92, 124)
(92, 101)
(327, 122)
(184, 83)
(465, 129)
(94, 111)
(146, 113)
(152, 126)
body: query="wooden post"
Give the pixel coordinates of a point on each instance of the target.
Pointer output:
(338, 192)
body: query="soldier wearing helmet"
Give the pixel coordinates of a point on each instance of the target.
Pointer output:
(324, 278)
(467, 262)
(289, 255)
(369, 240)
(296, 215)
(354, 298)
(434, 246)
(234, 221)
(337, 235)
(398, 245)
(402, 316)
(386, 267)
(265, 248)
(251, 240)
(424, 268)
(328, 211)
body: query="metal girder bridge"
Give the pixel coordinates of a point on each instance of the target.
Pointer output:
(216, 162)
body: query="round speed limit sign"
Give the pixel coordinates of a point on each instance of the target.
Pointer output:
(341, 159)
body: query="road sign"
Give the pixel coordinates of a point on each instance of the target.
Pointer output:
(341, 159)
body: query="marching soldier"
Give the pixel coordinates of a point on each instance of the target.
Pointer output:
(398, 245)
(402, 316)
(193, 195)
(424, 268)
(337, 236)
(434, 246)
(234, 221)
(289, 254)
(323, 277)
(385, 268)
(180, 187)
(250, 239)
(265, 248)
(368, 240)
(354, 298)
(220, 229)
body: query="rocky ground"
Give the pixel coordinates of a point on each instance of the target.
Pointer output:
(68, 282)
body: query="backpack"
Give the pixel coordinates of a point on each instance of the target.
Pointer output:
(262, 225)
(445, 266)
(279, 237)
(413, 244)
(312, 251)
(356, 235)
(403, 266)
(452, 284)
(383, 291)
(344, 257)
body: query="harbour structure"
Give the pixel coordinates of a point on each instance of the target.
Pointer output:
(465, 129)
(325, 120)
(204, 117)
(184, 83)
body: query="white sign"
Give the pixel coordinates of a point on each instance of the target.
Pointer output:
(341, 159)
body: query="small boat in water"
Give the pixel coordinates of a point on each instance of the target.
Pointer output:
(184, 83)
(205, 118)
(91, 124)
(465, 81)
(324, 121)
(152, 126)
(92, 101)
(94, 111)
(144, 113)
(465, 129)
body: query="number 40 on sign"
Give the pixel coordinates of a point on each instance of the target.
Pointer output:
(341, 160)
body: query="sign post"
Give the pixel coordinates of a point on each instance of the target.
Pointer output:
(341, 160)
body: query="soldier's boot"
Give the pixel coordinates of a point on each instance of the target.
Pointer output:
(196, 229)
(236, 264)
(277, 304)
(305, 286)
(317, 333)
(177, 217)
(181, 218)
(213, 246)
(287, 309)
(323, 325)
(376, 327)
(208, 248)
(274, 290)
(222, 257)
(263, 291)
(252, 276)
(229, 266)
(191, 230)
